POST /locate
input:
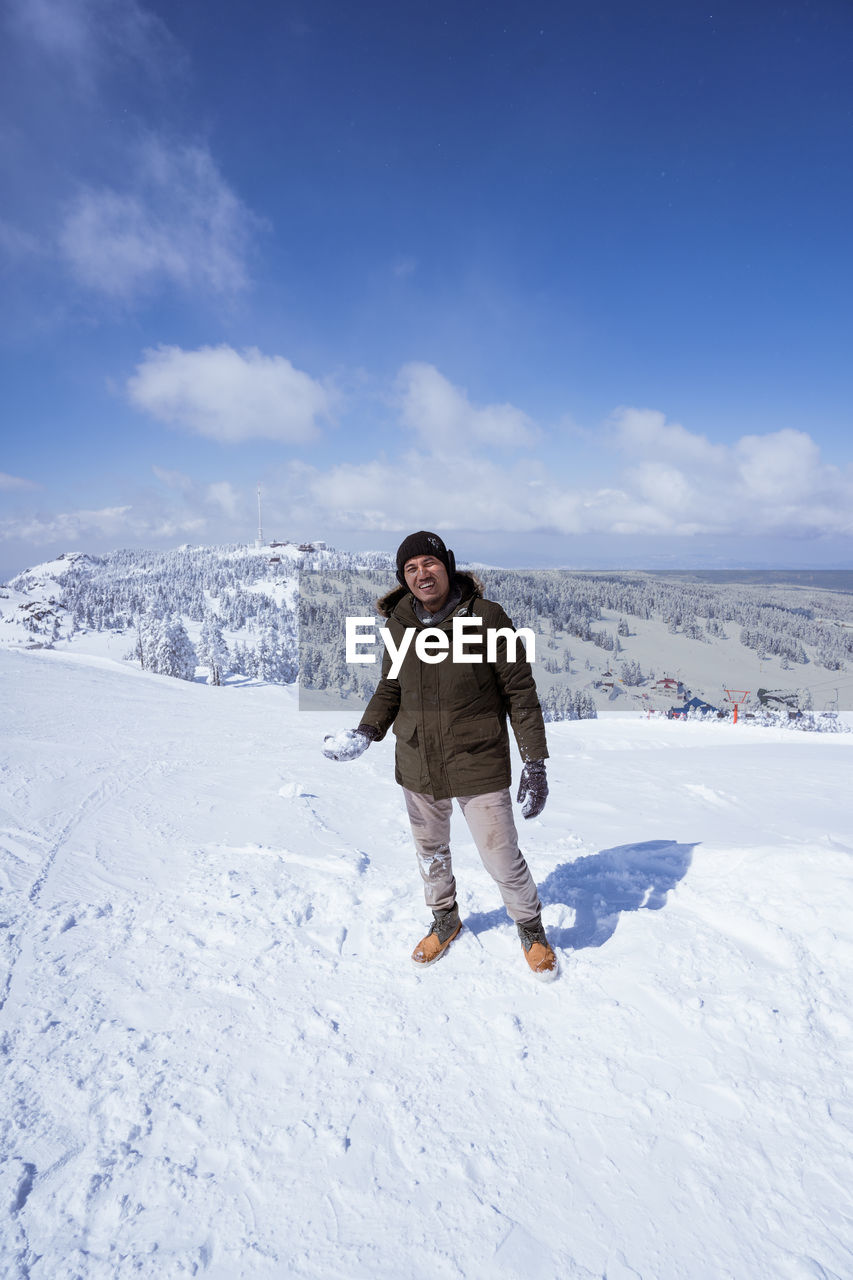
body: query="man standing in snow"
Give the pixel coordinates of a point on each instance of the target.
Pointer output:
(449, 719)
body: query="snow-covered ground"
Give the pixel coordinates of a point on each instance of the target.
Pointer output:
(708, 667)
(217, 1059)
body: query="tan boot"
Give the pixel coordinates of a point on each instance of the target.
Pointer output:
(445, 927)
(537, 951)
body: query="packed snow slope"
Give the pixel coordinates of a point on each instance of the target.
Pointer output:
(217, 1059)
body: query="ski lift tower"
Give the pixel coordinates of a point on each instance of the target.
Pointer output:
(259, 541)
(737, 697)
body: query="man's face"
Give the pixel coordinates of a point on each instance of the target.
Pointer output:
(426, 578)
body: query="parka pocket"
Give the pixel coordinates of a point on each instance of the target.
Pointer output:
(410, 766)
(405, 727)
(479, 732)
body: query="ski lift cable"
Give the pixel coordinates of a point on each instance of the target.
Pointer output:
(831, 684)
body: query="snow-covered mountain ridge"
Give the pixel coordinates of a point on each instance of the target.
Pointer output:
(217, 1060)
(612, 640)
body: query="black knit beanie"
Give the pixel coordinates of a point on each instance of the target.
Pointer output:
(423, 544)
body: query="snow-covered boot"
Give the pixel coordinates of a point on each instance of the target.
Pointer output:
(537, 950)
(445, 927)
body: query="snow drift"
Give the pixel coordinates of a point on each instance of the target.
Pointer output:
(216, 1058)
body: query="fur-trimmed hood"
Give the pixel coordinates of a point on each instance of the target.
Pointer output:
(469, 583)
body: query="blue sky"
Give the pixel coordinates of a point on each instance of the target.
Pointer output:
(569, 282)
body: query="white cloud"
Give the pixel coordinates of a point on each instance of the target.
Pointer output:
(665, 481)
(474, 493)
(225, 496)
(678, 484)
(76, 527)
(12, 484)
(173, 479)
(784, 466)
(66, 525)
(444, 418)
(663, 486)
(230, 395)
(646, 431)
(177, 223)
(89, 38)
(477, 494)
(775, 483)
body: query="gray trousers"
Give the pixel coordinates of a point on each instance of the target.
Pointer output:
(491, 823)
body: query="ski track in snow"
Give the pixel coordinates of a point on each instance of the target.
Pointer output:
(46, 849)
(217, 1059)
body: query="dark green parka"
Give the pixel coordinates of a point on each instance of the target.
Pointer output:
(450, 718)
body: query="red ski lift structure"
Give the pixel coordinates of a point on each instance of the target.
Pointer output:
(737, 697)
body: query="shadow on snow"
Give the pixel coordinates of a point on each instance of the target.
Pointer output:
(630, 877)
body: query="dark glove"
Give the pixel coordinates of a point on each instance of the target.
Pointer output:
(349, 743)
(532, 789)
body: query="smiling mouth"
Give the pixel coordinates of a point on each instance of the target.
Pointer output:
(426, 584)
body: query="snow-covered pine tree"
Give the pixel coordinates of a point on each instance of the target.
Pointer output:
(632, 673)
(212, 649)
(560, 703)
(265, 657)
(167, 648)
(148, 627)
(179, 651)
(237, 661)
(585, 705)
